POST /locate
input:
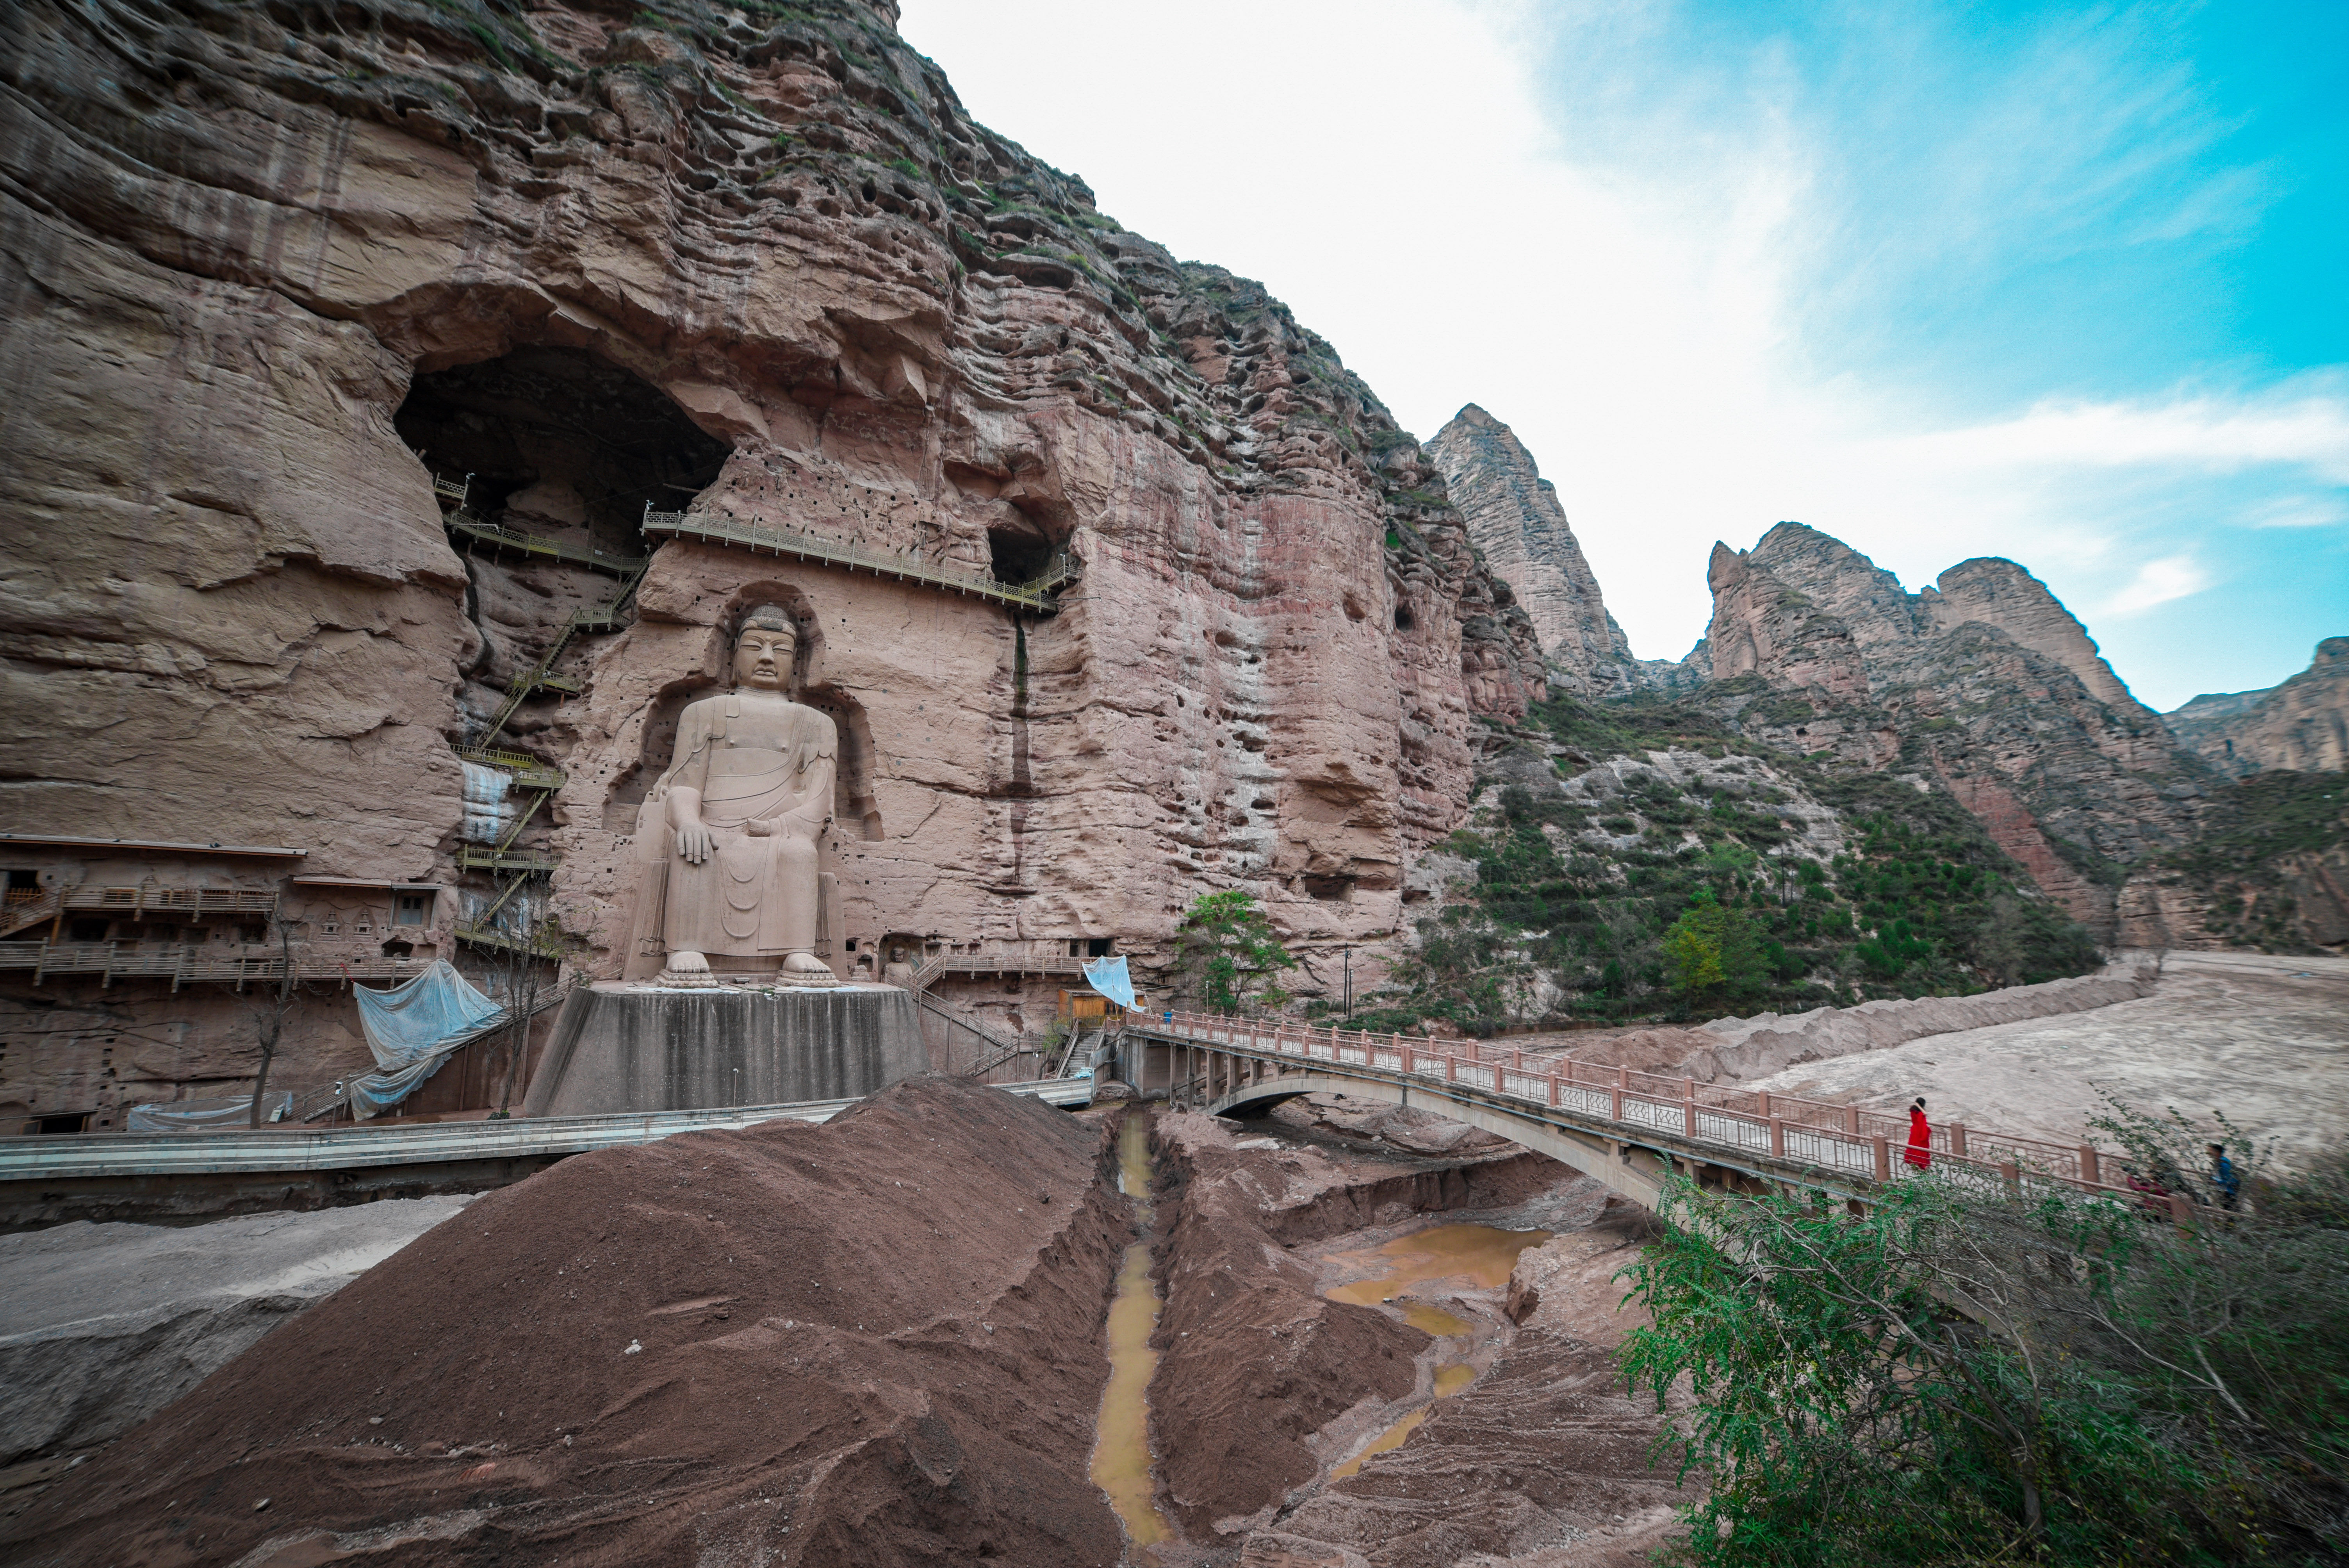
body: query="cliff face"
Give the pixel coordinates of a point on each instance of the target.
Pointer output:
(2302, 725)
(1519, 528)
(1985, 680)
(763, 268)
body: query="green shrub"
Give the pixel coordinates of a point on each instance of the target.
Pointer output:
(1966, 1377)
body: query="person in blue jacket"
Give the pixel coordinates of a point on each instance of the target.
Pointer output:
(2223, 1177)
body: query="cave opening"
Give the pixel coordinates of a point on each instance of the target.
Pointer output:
(559, 443)
(1017, 555)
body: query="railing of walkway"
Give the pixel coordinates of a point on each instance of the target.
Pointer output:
(1037, 595)
(466, 525)
(1839, 1138)
(184, 965)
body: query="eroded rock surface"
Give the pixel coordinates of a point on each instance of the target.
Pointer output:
(2302, 724)
(249, 255)
(1516, 523)
(1986, 680)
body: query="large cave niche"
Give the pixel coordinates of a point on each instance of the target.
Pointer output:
(1017, 552)
(561, 443)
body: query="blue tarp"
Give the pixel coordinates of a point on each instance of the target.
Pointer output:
(412, 1028)
(1107, 976)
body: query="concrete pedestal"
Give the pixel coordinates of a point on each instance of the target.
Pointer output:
(623, 1048)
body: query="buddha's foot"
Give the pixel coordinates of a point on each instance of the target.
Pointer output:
(686, 969)
(806, 969)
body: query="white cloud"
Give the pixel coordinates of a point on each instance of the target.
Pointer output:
(2158, 582)
(1632, 278)
(2304, 425)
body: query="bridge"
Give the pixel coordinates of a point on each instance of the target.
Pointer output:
(1624, 1128)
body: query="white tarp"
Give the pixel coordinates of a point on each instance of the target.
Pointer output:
(1107, 976)
(412, 1028)
(488, 805)
(200, 1115)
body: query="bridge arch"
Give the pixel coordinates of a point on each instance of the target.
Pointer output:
(1637, 1173)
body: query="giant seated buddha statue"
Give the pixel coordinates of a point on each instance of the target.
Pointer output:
(727, 884)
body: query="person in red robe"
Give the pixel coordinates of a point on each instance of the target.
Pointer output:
(1919, 1151)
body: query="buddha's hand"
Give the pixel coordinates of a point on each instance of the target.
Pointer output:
(693, 842)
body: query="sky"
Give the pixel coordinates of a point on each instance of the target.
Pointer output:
(2064, 284)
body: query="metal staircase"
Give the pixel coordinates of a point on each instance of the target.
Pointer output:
(506, 860)
(1001, 1047)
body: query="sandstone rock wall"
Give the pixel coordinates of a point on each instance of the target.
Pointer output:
(1990, 592)
(1517, 525)
(2302, 724)
(237, 239)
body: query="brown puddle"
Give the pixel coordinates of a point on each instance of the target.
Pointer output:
(1433, 1319)
(1483, 1255)
(1121, 1466)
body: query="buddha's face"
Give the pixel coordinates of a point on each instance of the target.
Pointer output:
(762, 658)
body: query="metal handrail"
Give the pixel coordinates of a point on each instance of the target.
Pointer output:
(293, 1147)
(186, 965)
(483, 934)
(476, 527)
(1036, 594)
(1849, 1141)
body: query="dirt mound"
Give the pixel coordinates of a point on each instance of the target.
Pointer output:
(1253, 1360)
(873, 1342)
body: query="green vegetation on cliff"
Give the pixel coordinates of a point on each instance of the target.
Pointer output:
(2264, 841)
(1692, 899)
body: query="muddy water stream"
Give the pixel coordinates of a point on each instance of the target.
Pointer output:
(1482, 1254)
(1120, 1465)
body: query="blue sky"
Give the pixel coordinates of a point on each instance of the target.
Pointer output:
(2062, 284)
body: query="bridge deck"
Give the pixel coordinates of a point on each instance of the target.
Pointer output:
(1579, 1110)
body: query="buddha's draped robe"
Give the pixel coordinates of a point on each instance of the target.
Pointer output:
(756, 894)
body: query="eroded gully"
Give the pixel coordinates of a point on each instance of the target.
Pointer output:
(1270, 1337)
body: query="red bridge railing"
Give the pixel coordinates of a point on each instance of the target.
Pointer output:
(1842, 1138)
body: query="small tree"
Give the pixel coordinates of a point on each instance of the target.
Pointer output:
(269, 1018)
(1233, 950)
(1713, 949)
(519, 971)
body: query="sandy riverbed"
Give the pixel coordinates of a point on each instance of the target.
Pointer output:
(2263, 1041)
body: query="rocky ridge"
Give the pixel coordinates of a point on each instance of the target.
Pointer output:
(2302, 724)
(1521, 532)
(1984, 681)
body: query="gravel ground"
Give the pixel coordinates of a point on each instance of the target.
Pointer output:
(101, 1325)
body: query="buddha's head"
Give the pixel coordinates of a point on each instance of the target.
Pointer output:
(764, 648)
